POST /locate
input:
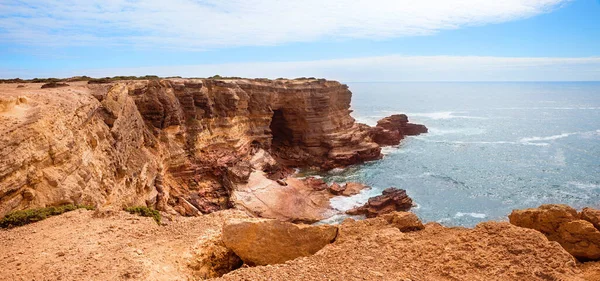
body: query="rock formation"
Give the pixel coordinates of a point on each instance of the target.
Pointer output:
(179, 145)
(392, 199)
(390, 130)
(305, 201)
(367, 250)
(271, 241)
(577, 233)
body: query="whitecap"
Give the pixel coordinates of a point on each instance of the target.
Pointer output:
(459, 131)
(474, 215)
(583, 185)
(549, 138)
(389, 149)
(369, 120)
(537, 140)
(443, 115)
(337, 171)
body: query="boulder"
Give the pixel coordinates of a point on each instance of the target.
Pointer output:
(315, 183)
(591, 215)
(576, 233)
(404, 221)
(336, 189)
(267, 242)
(351, 229)
(353, 188)
(392, 199)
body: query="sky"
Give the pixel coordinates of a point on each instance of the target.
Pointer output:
(347, 40)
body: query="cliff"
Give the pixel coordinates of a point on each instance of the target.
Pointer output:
(180, 145)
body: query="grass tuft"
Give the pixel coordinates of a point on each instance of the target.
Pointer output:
(23, 217)
(144, 212)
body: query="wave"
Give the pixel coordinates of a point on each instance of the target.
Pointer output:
(584, 185)
(462, 131)
(548, 108)
(474, 215)
(549, 138)
(535, 141)
(443, 115)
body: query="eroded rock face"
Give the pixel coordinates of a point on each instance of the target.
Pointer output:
(179, 145)
(271, 241)
(392, 199)
(577, 233)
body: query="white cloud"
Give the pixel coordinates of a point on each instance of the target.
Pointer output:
(382, 68)
(200, 24)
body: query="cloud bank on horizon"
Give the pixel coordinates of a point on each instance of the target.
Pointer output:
(383, 69)
(205, 24)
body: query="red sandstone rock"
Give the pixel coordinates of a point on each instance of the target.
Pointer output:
(591, 215)
(391, 200)
(179, 145)
(353, 188)
(562, 224)
(270, 241)
(336, 189)
(390, 130)
(393, 122)
(315, 184)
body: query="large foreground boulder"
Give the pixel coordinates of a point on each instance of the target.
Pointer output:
(392, 199)
(367, 250)
(577, 233)
(271, 241)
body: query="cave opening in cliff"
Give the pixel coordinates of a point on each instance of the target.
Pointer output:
(282, 134)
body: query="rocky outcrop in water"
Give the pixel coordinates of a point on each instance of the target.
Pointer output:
(392, 129)
(392, 199)
(179, 145)
(578, 233)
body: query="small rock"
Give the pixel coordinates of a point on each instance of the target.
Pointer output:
(392, 199)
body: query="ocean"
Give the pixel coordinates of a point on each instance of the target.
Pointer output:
(491, 148)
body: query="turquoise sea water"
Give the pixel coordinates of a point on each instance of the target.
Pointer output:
(492, 147)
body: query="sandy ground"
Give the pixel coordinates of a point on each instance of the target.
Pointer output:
(77, 246)
(81, 246)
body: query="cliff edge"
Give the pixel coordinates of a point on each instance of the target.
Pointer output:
(178, 145)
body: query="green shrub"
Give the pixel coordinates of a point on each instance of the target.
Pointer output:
(23, 217)
(144, 212)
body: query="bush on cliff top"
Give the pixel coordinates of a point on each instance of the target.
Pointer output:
(23, 217)
(144, 212)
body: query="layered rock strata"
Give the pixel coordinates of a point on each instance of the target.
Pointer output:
(391, 200)
(392, 129)
(180, 145)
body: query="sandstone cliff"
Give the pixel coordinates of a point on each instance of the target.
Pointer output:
(180, 145)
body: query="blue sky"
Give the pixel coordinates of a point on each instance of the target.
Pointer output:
(376, 40)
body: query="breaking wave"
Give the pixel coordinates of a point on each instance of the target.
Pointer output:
(443, 115)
